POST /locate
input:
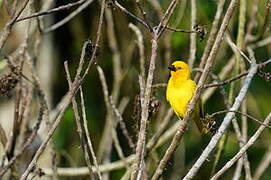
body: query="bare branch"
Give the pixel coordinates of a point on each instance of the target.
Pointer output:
(193, 36)
(179, 134)
(89, 143)
(85, 4)
(66, 101)
(3, 136)
(212, 36)
(140, 148)
(28, 142)
(140, 44)
(122, 124)
(123, 9)
(265, 162)
(7, 29)
(236, 49)
(226, 81)
(165, 20)
(60, 8)
(251, 141)
(223, 127)
(243, 114)
(79, 125)
(84, 170)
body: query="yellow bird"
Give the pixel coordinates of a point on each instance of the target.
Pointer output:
(180, 90)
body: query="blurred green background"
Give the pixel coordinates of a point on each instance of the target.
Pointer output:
(68, 41)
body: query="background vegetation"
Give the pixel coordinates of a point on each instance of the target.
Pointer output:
(33, 57)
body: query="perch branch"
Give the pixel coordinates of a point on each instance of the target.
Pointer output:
(192, 172)
(179, 134)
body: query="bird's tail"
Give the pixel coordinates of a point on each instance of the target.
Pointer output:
(203, 125)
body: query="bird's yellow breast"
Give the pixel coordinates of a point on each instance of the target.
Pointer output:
(179, 93)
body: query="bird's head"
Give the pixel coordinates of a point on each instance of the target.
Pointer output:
(179, 69)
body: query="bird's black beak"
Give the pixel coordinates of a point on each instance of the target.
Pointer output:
(172, 68)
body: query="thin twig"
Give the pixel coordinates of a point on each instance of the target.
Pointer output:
(192, 172)
(106, 139)
(85, 4)
(226, 81)
(66, 100)
(261, 43)
(263, 165)
(239, 67)
(223, 82)
(245, 136)
(220, 149)
(193, 36)
(123, 9)
(243, 114)
(266, 19)
(226, 70)
(98, 37)
(62, 103)
(117, 70)
(180, 30)
(60, 8)
(236, 49)
(165, 20)
(160, 130)
(140, 148)
(81, 171)
(251, 141)
(181, 129)
(16, 124)
(7, 29)
(122, 124)
(143, 13)
(212, 37)
(3, 136)
(26, 144)
(79, 124)
(252, 23)
(83, 56)
(89, 143)
(114, 165)
(55, 111)
(112, 125)
(140, 44)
